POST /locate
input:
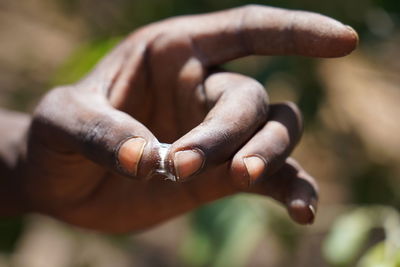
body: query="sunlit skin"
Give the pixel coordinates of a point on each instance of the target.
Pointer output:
(92, 147)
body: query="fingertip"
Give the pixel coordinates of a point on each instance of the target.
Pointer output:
(129, 155)
(238, 174)
(301, 211)
(346, 43)
(320, 36)
(187, 163)
(353, 37)
(255, 167)
(246, 171)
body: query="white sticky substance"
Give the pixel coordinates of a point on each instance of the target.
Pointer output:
(162, 169)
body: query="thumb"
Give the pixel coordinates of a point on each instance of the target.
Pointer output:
(72, 121)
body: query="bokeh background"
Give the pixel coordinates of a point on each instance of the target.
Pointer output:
(351, 142)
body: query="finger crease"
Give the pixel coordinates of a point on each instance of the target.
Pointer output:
(243, 37)
(290, 36)
(197, 51)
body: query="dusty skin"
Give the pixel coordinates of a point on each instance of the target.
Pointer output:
(91, 149)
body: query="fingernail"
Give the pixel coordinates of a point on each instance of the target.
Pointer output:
(187, 163)
(255, 167)
(312, 210)
(301, 212)
(130, 153)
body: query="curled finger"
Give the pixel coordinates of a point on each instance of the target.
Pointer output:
(268, 149)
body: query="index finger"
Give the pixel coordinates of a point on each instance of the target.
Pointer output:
(222, 36)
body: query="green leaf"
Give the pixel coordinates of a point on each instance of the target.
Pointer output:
(226, 232)
(377, 256)
(347, 237)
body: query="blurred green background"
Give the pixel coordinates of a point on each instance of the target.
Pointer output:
(351, 141)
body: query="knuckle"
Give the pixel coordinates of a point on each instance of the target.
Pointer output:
(53, 96)
(256, 92)
(172, 45)
(293, 106)
(47, 119)
(50, 105)
(256, 89)
(251, 8)
(290, 108)
(249, 85)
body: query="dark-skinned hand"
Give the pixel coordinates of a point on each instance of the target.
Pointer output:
(93, 147)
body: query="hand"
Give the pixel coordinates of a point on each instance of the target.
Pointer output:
(160, 84)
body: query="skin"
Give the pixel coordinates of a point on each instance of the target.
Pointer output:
(91, 148)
